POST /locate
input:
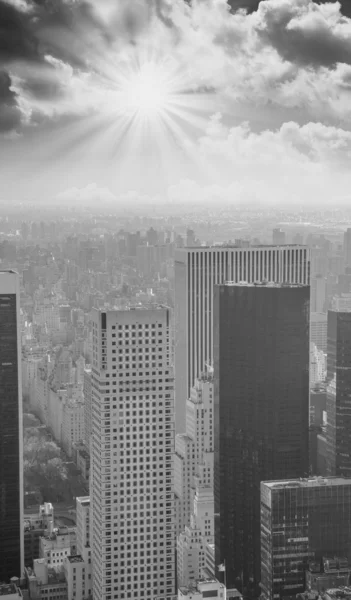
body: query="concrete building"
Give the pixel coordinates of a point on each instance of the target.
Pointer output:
(318, 293)
(11, 430)
(87, 406)
(278, 237)
(261, 408)
(319, 325)
(197, 271)
(194, 459)
(35, 527)
(301, 520)
(45, 581)
(338, 392)
(73, 419)
(78, 583)
(347, 248)
(10, 591)
(132, 494)
(203, 588)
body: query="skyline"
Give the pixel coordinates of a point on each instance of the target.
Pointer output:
(172, 100)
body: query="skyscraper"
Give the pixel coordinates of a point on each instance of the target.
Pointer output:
(261, 396)
(301, 520)
(197, 270)
(132, 445)
(347, 248)
(338, 392)
(11, 440)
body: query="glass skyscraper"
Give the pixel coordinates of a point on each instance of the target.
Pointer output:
(261, 404)
(11, 442)
(338, 393)
(197, 271)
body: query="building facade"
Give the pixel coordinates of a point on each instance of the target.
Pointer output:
(132, 446)
(261, 409)
(11, 431)
(302, 520)
(338, 392)
(197, 271)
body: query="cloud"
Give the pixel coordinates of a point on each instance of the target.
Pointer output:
(301, 164)
(88, 195)
(304, 32)
(64, 56)
(11, 115)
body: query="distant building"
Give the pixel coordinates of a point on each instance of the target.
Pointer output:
(261, 407)
(278, 237)
(11, 435)
(302, 520)
(318, 293)
(347, 248)
(46, 581)
(319, 325)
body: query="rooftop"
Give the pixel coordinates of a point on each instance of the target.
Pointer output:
(8, 589)
(267, 284)
(75, 559)
(239, 247)
(341, 592)
(307, 483)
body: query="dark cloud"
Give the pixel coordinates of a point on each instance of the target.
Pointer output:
(302, 35)
(10, 114)
(17, 40)
(252, 5)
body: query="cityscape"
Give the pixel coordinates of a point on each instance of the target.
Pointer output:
(175, 300)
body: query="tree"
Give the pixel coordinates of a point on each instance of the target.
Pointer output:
(44, 469)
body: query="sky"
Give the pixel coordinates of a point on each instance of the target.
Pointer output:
(152, 101)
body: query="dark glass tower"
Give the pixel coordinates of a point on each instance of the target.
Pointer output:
(338, 393)
(11, 461)
(301, 520)
(261, 359)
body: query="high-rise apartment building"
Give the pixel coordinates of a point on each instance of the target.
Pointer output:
(338, 393)
(319, 324)
(301, 520)
(197, 271)
(193, 461)
(261, 406)
(11, 440)
(132, 446)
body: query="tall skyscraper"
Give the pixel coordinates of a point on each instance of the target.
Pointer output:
(261, 412)
(338, 393)
(197, 271)
(11, 431)
(347, 248)
(132, 446)
(301, 520)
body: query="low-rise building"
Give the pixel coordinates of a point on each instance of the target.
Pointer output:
(10, 591)
(203, 588)
(46, 582)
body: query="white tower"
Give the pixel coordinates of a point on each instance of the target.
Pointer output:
(132, 445)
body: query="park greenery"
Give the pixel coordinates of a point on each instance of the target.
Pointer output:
(44, 469)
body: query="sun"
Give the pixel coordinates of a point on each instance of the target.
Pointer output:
(146, 91)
